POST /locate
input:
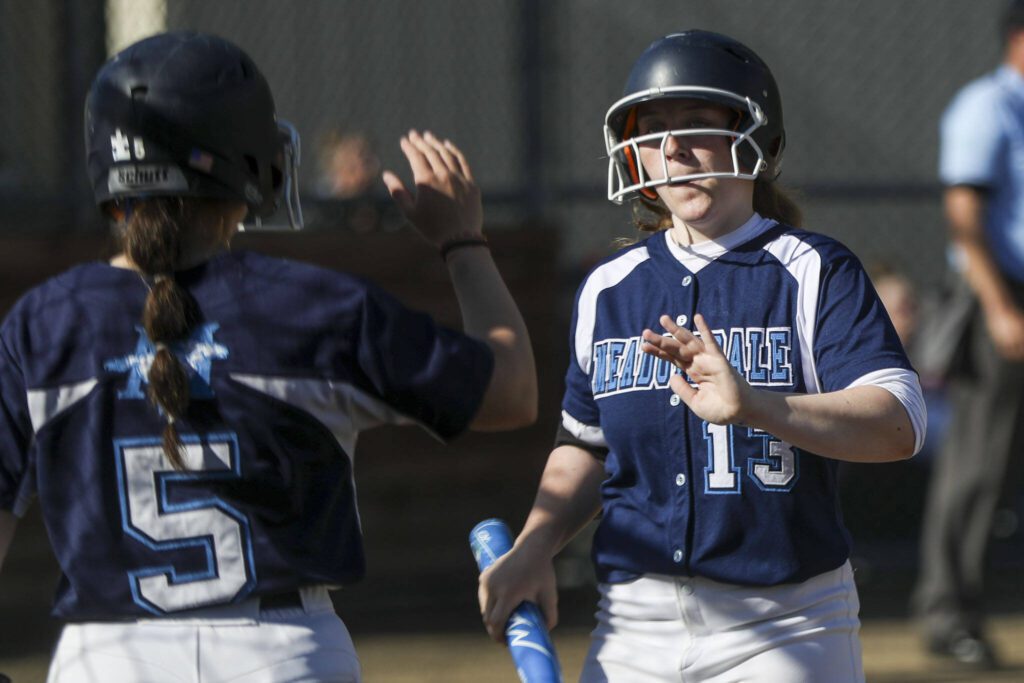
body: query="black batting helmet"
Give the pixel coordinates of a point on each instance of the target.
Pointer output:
(706, 66)
(187, 114)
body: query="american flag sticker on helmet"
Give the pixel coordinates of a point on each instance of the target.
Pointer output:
(200, 160)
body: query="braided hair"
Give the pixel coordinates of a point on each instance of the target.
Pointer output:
(153, 238)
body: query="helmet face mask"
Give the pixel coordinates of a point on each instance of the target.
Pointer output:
(292, 157)
(696, 65)
(190, 115)
(627, 176)
(291, 150)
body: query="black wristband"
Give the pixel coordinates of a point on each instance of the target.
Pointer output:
(451, 245)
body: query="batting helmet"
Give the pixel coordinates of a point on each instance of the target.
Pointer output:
(705, 66)
(188, 114)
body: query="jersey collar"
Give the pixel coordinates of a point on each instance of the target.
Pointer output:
(696, 256)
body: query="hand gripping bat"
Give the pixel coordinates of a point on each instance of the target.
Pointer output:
(526, 632)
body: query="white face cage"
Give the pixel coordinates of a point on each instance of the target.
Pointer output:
(622, 184)
(292, 156)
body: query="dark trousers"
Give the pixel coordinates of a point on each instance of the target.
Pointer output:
(971, 475)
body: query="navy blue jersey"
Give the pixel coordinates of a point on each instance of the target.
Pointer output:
(288, 365)
(793, 312)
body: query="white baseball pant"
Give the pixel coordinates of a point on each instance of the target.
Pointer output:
(240, 643)
(658, 629)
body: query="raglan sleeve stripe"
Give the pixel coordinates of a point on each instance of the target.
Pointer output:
(588, 435)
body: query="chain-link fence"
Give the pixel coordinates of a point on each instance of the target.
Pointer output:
(523, 86)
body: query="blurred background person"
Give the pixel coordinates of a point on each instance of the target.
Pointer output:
(908, 312)
(886, 525)
(981, 164)
(899, 296)
(348, 184)
(348, 164)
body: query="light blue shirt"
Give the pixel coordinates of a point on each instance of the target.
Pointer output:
(982, 144)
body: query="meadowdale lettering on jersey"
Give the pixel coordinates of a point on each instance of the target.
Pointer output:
(762, 355)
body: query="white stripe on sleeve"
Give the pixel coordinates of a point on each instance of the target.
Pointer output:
(592, 436)
(608, 275)
(906, 387)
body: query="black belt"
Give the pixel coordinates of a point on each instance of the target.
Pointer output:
(286, 600)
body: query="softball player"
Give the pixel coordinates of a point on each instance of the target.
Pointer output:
(710, 449)
(187, 415)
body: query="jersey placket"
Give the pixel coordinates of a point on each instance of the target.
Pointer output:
(681, 468)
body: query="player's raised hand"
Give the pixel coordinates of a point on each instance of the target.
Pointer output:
(445, 204)
(721, 394)
(513, 578)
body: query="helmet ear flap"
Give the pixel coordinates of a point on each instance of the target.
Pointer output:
(632, 163)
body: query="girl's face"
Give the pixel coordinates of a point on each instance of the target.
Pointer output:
(712, 206)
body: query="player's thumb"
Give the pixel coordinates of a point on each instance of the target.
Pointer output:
(398, 192)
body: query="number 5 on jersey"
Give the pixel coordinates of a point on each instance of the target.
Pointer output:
(162, 511)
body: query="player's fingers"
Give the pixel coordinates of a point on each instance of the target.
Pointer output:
(495, 620)
(396, 188)
(490, 604)
(706, 335)
(669, 342)
(450, 162)
(463, 163)
(681, 334)
(672, 360)
(669, 348)
(417, 160)
(695, 374)
(689, 345)
(661, 341)
(487, 614)
(669, 324)
(665, 348)
(437, 165)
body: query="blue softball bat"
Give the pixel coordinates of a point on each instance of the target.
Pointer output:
(526, 632)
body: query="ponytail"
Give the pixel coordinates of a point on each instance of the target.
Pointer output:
(153, 241)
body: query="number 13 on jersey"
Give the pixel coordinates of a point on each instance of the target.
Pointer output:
(777, 469)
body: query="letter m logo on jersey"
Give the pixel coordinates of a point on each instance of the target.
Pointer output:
(197, 353)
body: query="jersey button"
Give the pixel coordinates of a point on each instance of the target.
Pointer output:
(681, 320)
(674, 400)
(680, 479)
(677, 556)
(687, 280)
